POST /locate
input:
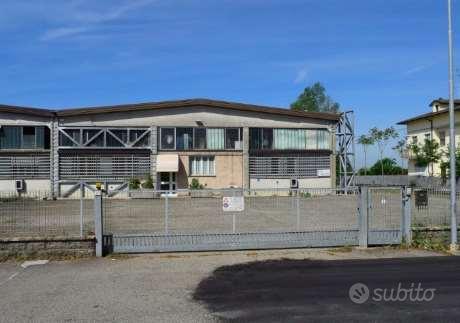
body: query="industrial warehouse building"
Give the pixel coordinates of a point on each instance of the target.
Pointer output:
(221, 144)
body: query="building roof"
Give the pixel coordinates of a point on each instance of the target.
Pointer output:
(432, 114)
(442, 101)
(171, 105)
(26, 110)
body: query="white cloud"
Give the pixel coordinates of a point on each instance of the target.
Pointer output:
(416, 69)
(112, 14)
(85, 21)
(301, 76)
(53, 34)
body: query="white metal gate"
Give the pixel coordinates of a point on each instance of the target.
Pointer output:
(194, 220)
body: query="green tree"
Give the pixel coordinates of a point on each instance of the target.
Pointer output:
(400, 148)
(445, 166)
(365, 141)
(382, 138)
(388, 166)
(314, 98)
(427, 155)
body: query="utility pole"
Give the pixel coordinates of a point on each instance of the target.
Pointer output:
(453, 149)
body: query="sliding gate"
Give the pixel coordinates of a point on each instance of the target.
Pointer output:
(199, 220)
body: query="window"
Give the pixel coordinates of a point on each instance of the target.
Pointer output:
(69, 137)
(15, 137)
(323, 139)
(184, 138)
(427, 136)
(415, 140)
(200, 138)
(168, 138)
(215, 138)
(255, 138)
(267, 138)
(232, 138)
(202, 166)
(28, 137)
(289, 139)
(442, 138)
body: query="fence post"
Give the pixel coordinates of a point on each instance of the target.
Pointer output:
(166, 213)
(298, 210)
(406, 221)
(81, 209)
(98, 222)
(363, 216)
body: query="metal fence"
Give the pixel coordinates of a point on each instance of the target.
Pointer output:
(430, 208)
(38, 214)
(201, 211)
(192, 220)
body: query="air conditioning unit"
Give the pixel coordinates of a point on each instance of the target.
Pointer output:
(20, 185)
(294, 183)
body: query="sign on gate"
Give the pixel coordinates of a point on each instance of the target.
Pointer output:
(233, 203)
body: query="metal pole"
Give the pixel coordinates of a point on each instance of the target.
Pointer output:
(81, 209)
(166, 213)
(406, 226)
(298, 210)
(98, 223)
(363, 216)
(453, 184)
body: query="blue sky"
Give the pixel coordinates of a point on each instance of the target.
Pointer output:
(385, 59)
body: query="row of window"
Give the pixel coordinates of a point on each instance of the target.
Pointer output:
(231, 139)
(427, 136)
(200, 138)
(104, 137)
(170, 138)
(294, 139)
(19, 137)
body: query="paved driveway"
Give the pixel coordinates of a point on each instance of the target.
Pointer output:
(164, 287)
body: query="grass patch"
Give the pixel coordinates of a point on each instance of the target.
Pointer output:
(343, 249)
(427, 241)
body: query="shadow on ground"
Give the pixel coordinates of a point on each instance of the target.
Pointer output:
(308, 290)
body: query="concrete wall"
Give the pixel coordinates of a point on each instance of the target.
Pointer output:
(32, 185)
(19, 119)
(285, 183)
(228, 168)
(46, 247)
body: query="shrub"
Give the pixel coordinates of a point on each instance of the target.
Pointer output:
(195, 185)
(148, 183)
(134, 183)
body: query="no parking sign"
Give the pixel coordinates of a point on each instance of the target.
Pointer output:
(233, 203)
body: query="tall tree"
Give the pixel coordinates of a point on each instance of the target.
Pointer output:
(314, 98)
(365, 141)
(400, 148)
(382, 137)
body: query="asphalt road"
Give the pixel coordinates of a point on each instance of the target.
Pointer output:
(318, 291)
(224, 286)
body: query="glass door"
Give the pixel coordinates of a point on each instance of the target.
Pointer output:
(168, 181)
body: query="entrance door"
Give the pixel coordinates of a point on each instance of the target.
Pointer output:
(168, 181)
